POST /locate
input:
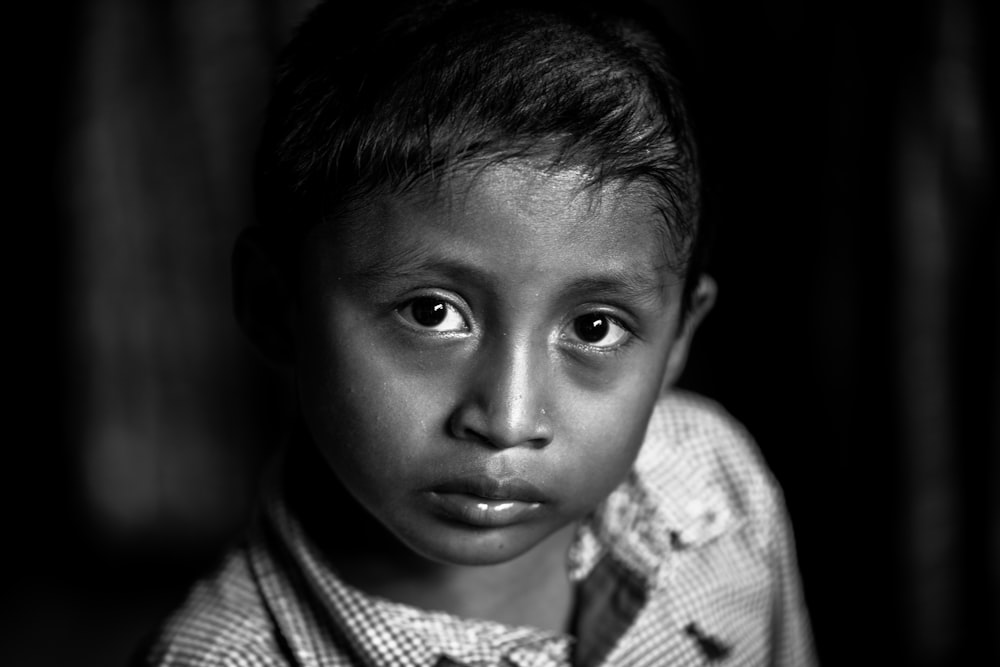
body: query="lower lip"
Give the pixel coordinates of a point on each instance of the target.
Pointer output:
(482, 512)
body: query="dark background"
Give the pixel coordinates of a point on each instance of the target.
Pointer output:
(852, 150)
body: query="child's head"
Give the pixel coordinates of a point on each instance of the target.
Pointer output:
(398, 97)
(491, 212)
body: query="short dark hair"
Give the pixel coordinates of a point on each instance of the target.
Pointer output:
(402, 92)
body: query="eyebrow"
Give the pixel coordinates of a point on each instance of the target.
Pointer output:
(401, 265)
(629, 285)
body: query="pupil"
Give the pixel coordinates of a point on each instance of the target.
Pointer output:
(428, 312)
(591, 328)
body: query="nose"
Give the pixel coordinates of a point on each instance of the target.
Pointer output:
(504, 399)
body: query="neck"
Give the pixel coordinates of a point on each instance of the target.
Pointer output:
(532, 589)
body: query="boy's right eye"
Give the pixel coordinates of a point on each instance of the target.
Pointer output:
(433, 314)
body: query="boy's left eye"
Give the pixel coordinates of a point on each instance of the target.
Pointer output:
(597, 330)
(433, 314)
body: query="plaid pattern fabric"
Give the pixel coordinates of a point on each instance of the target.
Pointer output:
(689, 562)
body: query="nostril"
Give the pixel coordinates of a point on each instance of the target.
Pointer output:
(464, 424)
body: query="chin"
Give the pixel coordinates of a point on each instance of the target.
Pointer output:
(473, 547)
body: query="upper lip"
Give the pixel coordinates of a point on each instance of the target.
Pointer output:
(492, 488)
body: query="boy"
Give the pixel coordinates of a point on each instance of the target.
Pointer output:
(480, 251)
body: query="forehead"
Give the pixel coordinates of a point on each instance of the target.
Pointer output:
(543, 218)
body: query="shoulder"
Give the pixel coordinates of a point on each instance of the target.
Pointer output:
(222, 623)
(700, 427)
(733, 573)
(698, 461)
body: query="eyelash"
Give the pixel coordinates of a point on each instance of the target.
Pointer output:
(452, 308)
(628, 335)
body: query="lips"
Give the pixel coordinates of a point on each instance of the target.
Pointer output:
(492, 488)
(486, 502)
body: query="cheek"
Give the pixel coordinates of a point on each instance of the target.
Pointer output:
(372, 419)
(606, 435)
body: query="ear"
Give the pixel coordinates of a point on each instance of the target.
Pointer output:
(263, 297)
(702, 300)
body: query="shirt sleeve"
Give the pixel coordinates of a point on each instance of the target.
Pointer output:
(791, 636)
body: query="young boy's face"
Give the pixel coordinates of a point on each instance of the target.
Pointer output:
(478, 367)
